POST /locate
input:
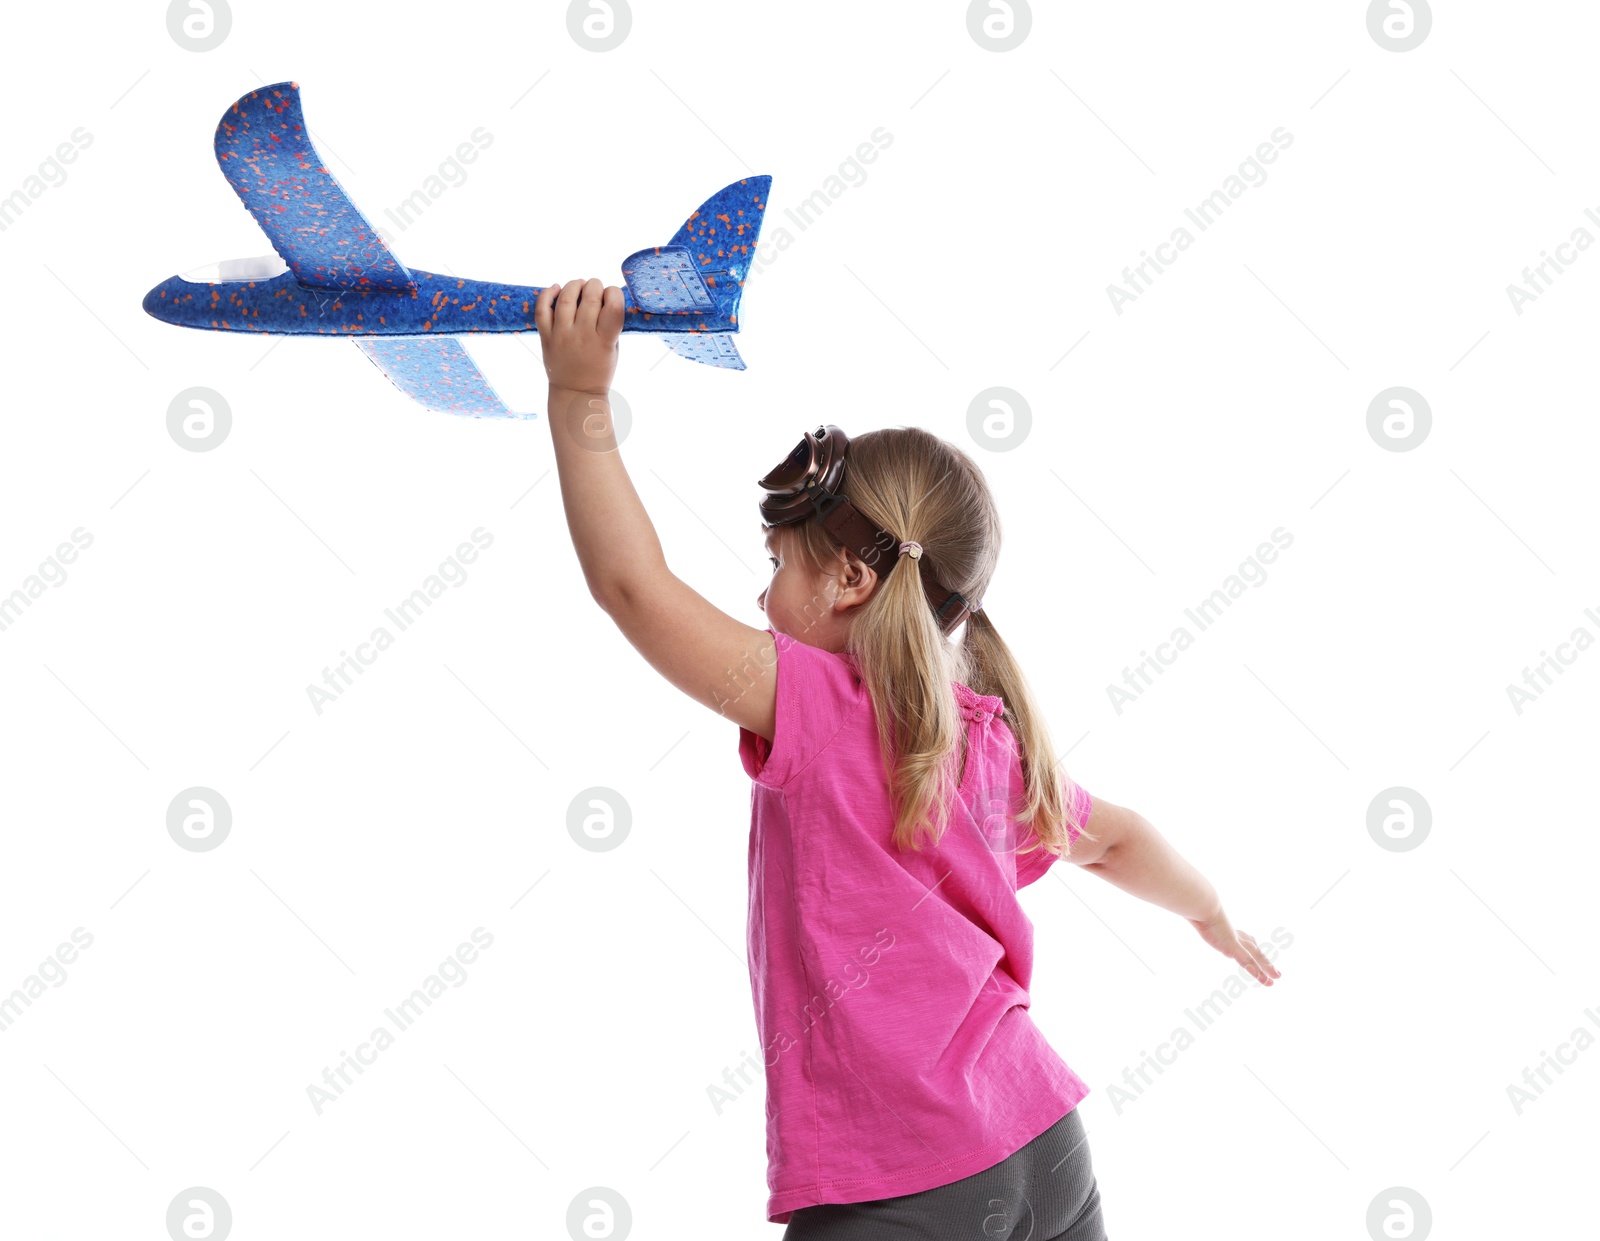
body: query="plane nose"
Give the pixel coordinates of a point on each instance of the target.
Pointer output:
(159, 302)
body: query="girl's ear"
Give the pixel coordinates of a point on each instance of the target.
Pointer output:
(856, 581)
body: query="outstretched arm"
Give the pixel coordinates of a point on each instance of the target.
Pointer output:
(725, 664)
(1128, 852)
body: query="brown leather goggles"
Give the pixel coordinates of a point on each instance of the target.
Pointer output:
(809, 483)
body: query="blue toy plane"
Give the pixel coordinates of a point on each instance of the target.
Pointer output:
(333, 275)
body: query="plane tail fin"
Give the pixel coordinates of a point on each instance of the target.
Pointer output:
(721, 233)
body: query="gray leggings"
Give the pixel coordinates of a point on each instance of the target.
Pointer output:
(1044, 1192)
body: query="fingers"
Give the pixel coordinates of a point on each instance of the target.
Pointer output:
(542, 305)
(566, 307)
(1252, 958)
(588, 309)
(577, 302)
(1260, 956)
(612, 314)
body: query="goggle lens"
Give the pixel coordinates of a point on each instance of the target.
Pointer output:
(790, 476)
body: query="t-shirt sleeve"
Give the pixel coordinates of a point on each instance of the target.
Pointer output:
(816, 692)
(1033, 864)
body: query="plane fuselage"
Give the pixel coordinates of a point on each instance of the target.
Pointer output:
(446, 305)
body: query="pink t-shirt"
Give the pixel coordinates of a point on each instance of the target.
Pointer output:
(891, 989)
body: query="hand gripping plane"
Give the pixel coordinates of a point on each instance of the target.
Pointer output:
(333, 275)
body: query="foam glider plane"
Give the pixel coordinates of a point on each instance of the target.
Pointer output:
(332, 275)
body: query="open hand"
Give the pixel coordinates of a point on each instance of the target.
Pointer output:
(1240, 945)
(578, 324)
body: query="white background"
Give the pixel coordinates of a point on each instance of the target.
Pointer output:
(1174, 437)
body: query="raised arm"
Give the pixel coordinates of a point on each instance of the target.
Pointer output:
(1130, 853)
(718, 661)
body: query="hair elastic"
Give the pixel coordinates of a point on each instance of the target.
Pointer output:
(912, 548)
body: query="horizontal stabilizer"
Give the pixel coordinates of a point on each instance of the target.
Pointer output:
(712, 348)
(435, 371)
(663, 280)
(264, 149)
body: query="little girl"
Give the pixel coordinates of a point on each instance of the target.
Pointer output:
(904, 789)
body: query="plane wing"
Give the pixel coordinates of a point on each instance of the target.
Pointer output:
(265, 151)
(436, 372)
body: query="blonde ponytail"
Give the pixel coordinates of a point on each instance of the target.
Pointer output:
(992, 669)
(902, 657)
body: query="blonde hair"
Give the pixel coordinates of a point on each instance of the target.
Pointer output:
(916, 486)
